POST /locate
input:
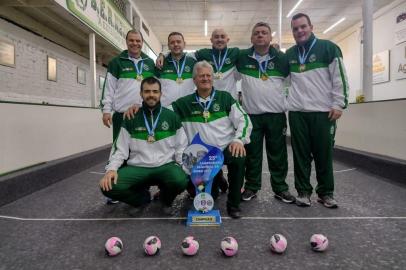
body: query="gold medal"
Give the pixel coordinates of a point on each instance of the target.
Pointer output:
(179, 80)
(151, 139)
(218, 75)
(206, 115)
(302, 67)
(139, 77)
(264, 77)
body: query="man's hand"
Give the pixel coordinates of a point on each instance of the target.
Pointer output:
(129, 114)
(109, 177)
(237, 149)
(159, 63)
(334, 114)
(107, 120)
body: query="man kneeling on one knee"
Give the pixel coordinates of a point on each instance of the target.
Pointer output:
(152, 143)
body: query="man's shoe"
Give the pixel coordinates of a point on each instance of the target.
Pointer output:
(303, 200)
(248, 195)
(328, 201)
(285, 197)
(111, 201)
(234, 212)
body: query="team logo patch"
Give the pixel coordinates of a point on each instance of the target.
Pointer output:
(284, 131)
(332, 129)
(228, 61)
(165, 125)
(187, 68)
(312, 58)
(271, 65)
(146, 67)
(216, 107)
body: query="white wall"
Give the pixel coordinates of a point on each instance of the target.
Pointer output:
(31, 134)
(375, 127)
(28, 82)
(383, 39)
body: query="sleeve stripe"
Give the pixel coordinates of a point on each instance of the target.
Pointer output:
(244, 131)
(344, 81)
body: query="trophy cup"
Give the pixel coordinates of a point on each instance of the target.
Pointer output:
(202, 162)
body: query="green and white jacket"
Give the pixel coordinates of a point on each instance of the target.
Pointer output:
(171, 90)
(132, 144)
(227, 123)
(228, 82)
(323, 84)
(263, 96)
(121, 89)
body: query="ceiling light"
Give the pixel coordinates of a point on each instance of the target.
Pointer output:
(205, 28)
(334, 25)
(294, 8)
(273, 33)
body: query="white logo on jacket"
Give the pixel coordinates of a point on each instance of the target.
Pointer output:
(165, 125)
(228, 61)
(312, 58)
(271, 65)
(216, 107)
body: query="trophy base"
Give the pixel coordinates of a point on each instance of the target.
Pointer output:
(196, 218)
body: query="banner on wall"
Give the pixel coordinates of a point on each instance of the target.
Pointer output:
(400, 28)
(103, 17)
(399, 62)
(380, 67)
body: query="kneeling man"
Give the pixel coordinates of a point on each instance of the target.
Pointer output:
(152, 143)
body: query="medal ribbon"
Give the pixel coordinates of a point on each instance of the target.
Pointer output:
(176, 64)
(262, 68)
(303, 56)
(220, 63)
(139, 71)
(207, 105)
(154, 123)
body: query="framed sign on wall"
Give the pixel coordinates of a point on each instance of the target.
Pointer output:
(81, 76)
(51, 69)
(7, 53)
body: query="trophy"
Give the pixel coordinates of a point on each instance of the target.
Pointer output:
(202, 162)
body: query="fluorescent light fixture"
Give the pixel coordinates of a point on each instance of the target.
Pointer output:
(334, 25)
(283, 50)
(294, 8)
(273, 33)
(205, 28)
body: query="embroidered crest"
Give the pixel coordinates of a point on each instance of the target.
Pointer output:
(228, 61)
(146, 67)
(165, 125)
(216, 107)
(312, 58)
(271, 65)
(284, 131)
(187, 68)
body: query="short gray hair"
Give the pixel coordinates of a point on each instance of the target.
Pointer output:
(202, 64)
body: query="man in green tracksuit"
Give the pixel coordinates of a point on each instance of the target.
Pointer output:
(316, 99)
(152, 143)
(176, 73)
(122, 85)
(263, 70)
(220, 121)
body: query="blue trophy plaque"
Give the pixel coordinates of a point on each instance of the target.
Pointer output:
(202, 162)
